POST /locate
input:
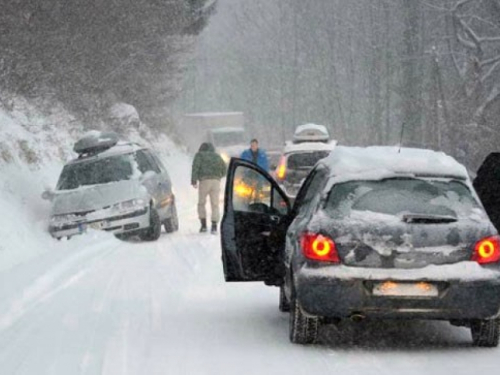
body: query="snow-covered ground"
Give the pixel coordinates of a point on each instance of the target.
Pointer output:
(97, 305)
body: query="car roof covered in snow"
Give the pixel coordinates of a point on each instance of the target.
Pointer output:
(379, 162)
(319, 128)
(228, 129)
(309, 146)
(311, 133)
(213, 114)
(121, 148)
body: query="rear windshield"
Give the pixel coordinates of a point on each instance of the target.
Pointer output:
(274, 158)
(94, 172)
(305, 160)
(402, 196)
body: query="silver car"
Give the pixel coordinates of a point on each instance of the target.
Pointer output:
(123, 189)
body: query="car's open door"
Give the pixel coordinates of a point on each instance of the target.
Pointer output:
(254, 225)
(487, 185)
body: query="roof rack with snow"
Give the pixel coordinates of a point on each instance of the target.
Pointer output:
(95, 142)
(311, 133)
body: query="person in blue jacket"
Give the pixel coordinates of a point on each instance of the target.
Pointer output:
(256, 155)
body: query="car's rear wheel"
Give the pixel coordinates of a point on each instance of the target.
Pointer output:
(172, 223)
(303, 329)
(154, 230)
(485, 333)
(284, 305)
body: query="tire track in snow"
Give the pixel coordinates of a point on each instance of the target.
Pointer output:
(98, 306)
(59, 278)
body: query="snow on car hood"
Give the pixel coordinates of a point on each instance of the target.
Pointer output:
(90, 198)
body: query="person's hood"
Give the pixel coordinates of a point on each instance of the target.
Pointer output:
(207, 147)
(95, 197)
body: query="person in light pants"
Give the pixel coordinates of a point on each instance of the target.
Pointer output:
(207, 171)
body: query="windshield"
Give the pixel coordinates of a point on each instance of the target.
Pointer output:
(94, 172)
(305, 160)
(222, 139)
(402, 197)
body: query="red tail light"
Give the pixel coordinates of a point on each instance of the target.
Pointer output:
(319, 247)
(487, 250)
(281, 169)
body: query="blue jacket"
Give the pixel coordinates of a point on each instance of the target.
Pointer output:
(261, 158)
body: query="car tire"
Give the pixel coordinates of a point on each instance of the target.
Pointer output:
(154, 231)
(485, 333)
(123, 236)
(284, 305)
(172, 223)
(303, 329)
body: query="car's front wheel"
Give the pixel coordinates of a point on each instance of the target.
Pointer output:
(154, 231)
(303, 329)
(485, 333)
(172, 223)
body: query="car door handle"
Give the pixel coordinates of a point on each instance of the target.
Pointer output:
(275, 219)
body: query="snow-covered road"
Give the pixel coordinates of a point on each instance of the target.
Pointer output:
(96, 305)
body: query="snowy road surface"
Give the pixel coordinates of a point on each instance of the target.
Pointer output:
(95, 305)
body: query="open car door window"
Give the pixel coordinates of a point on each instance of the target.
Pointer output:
(254, 224)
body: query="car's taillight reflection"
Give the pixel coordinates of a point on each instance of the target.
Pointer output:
(281, 170)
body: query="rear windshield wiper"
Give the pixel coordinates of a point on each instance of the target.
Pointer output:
(428, 219)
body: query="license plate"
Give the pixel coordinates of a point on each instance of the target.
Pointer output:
(397, 289)
(98, 225)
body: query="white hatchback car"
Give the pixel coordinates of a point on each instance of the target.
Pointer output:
(119, 187)
(310, 144)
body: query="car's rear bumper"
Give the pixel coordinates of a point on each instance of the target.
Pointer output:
(126, 223)
(325, 292)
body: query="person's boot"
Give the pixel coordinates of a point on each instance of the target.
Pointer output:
(203, 228)
(213, 230)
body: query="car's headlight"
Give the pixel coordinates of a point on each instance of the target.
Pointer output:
(130, 205)
(225, 157)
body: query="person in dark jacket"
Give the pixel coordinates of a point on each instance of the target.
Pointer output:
(256, 155)
(487, 186)
(207, 171)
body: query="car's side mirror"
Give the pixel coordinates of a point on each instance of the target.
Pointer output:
(48, 195)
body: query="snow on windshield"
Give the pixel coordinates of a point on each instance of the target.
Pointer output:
(94, 172)
(400, 197)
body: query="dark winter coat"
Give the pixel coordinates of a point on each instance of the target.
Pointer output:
(487, 185)
(207, 164)
(260, 158)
